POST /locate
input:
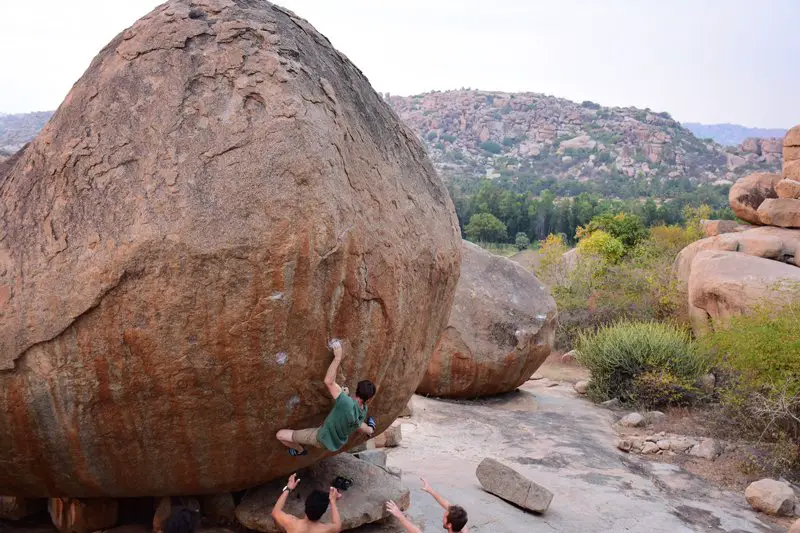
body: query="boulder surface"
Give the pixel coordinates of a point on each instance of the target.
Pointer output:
(747, 194)
(501, 329)
(364, 502)
(220, 193)
(724, 284)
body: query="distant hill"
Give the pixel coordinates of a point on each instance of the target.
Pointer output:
(16, 130)
(524, 138)
(731, 134)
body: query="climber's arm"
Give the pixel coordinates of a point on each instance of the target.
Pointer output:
(330, 376)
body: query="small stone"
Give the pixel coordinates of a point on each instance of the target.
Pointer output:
(511, 486)
(771, 497)
(624, 444)
(637, 443)
(390, 438)
(649, 447)
(632, 420)
(681, 444)
(707, 383)
(376, 457)
(581, 387)
(569, 357)
(654, 417)
(613, 402)
(707, 449)
(663, 444)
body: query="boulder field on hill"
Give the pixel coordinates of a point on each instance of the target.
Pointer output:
(739, 269)
(501, 329)
(219, 194)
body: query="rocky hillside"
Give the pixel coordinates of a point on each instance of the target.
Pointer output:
(472, 134)
(732, 134)
(16, 130)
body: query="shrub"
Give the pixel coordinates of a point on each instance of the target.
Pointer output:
(553, 269)
(602, 244)
(521, 241)
(650, 363)
(760, 356)
(491, 147)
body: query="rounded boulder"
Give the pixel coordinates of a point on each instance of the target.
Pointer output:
(501, 329)
(748, 193)
(219, 194)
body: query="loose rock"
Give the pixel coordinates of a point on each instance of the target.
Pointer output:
(390, 438)
(650, 447)
(624, 444)
(581, 387)
(654, 417)
(613, 402)
(706, 449)
(771, 497)
(707, 383)
(511, 486)
(362, 503)
(632, 420)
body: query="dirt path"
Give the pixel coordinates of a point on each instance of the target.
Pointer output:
(565, 443)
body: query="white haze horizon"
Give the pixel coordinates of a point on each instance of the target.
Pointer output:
(712, 62)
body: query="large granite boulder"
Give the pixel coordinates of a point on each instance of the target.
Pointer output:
(364, 502)
(778, 244)
(723, 284)
(747, 194)
(220, 193)
(791, 145)
(782, 212)
(501, 328)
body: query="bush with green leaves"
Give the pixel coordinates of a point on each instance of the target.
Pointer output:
(603, 245)
(521, 241)
(759, 356)
(653, 364)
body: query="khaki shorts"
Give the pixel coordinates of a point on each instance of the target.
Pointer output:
(306, 437)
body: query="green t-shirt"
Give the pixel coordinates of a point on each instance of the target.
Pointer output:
(344, 419)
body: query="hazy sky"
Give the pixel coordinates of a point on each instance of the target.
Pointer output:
(701, 60)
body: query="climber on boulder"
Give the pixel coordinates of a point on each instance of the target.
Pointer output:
(348, 415)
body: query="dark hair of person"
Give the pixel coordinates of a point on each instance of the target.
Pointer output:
(456, 517)
(181, 520)
(316, 505)
(365, 390)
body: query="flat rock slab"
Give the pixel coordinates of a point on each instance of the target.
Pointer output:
(362, 503)
(512, 486)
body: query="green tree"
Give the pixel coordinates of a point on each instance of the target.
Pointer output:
(485, 227)
(521, 241)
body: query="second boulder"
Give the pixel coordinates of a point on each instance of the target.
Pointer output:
(501, 329)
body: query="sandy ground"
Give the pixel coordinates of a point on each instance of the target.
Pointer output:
(558, 439)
